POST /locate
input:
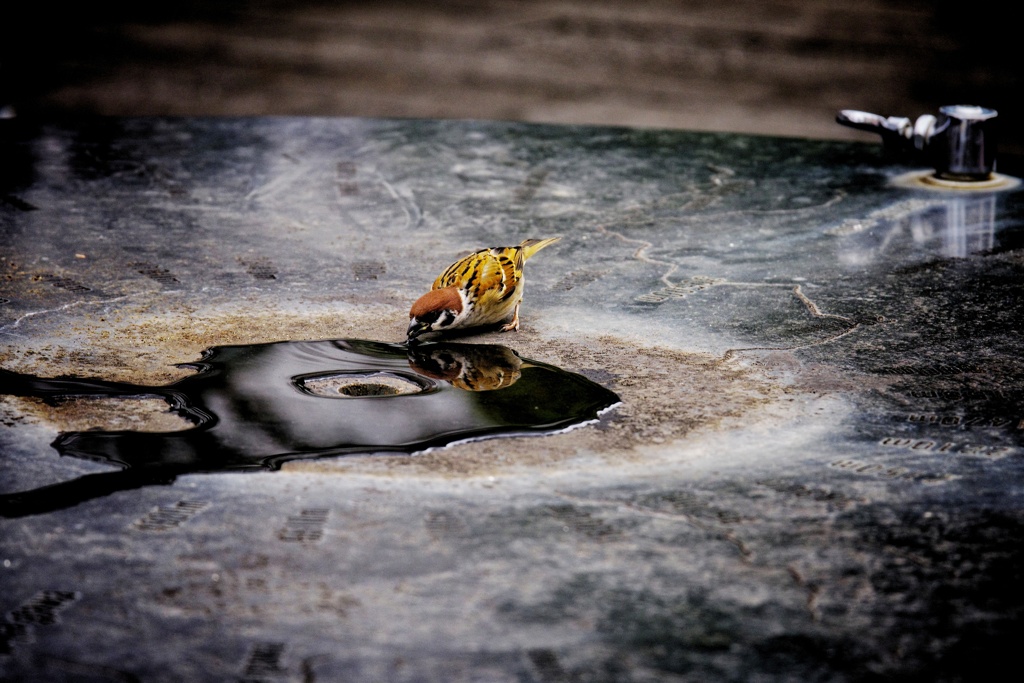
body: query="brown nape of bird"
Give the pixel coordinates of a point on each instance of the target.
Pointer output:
(483, 288)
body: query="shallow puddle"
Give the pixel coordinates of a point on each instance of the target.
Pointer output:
(258, 406)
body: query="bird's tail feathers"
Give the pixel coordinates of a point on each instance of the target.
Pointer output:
(532, 246)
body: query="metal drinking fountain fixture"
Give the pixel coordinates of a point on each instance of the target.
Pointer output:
(960, 143)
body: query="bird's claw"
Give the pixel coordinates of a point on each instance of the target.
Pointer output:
(512, 324)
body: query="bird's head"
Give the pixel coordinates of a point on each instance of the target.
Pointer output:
(435, 311)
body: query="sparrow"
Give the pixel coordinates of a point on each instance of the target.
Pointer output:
(483, 288)
(471, 367)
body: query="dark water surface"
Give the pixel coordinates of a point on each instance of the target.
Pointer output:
(258, 406)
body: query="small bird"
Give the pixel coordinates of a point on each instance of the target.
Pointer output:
(483, 288)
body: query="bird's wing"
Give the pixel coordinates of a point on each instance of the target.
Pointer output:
(457, 273)
(503, 272)
(488, 272)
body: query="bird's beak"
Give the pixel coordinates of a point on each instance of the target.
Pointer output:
(416, 328)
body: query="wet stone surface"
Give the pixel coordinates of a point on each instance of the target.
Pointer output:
(814, 472)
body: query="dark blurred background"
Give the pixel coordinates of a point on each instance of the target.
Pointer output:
(774, 67)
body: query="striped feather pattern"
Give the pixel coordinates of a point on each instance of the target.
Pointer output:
(492, 279)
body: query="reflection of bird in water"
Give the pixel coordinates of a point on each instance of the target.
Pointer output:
(483, 288)
(473, 367)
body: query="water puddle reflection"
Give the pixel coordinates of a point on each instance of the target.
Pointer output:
(258, 406)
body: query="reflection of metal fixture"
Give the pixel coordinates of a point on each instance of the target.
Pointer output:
(951, 226)
(960, 143)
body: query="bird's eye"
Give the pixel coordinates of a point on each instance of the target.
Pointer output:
(430, 317)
